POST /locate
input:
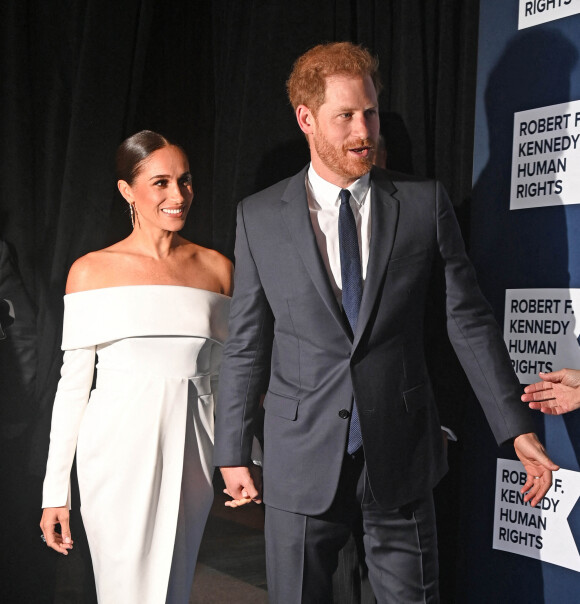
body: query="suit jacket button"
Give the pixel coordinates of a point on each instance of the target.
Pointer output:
(344, 414)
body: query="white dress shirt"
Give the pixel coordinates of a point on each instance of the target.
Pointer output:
(324, 206)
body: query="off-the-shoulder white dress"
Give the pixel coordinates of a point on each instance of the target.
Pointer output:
(143, 435)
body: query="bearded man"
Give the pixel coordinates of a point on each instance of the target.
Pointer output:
(332, 283)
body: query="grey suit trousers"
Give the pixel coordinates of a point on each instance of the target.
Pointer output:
(400, 546)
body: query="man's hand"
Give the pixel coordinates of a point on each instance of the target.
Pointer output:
(537, 464)
(557, 393)
(243, 485)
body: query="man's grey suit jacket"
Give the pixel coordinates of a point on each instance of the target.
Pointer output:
(288, 337)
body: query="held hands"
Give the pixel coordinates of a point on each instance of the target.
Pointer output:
(538, 466)
(60, 542)
(243, 485)
(557, 393)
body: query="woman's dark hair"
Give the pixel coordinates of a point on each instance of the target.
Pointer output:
(133, 151)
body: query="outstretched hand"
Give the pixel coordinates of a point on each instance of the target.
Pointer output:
(538, 465)
(243, 485)
(557, 393)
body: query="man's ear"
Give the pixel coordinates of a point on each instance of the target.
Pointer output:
(305, 119)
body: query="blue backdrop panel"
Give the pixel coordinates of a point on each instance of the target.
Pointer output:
(530, 248)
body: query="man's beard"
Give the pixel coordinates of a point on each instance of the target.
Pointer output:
(341, 161)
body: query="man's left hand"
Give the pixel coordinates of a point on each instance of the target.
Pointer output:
(538, 466)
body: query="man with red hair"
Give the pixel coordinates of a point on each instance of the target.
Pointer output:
(334, 268)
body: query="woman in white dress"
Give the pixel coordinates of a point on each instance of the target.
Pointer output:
(152, 310)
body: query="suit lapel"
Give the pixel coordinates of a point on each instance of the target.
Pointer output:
(297, 218)
(384, 216)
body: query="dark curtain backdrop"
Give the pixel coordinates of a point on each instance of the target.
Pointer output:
(78, 76)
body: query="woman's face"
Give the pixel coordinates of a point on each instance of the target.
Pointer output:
(162, 190)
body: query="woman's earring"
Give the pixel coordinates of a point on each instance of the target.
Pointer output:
(132, 212)
(134, 215)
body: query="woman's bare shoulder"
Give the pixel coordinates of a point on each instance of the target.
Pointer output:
(225, 270)
(204, 254)
(211, 261)
(91, 271)
(215, 258)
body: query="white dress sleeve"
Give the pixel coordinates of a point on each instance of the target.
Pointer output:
(70, 403)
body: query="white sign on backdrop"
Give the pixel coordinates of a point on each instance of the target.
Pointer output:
(541, 331)
(541, 532)
(546, 156)
(534, 12)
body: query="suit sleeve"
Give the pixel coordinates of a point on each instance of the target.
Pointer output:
(450, 385)
(475, 334)
(70, 403)
(245, 369)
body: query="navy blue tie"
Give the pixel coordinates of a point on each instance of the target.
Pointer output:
(350, 269)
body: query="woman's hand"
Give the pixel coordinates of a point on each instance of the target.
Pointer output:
(557, 393)
(60, 542)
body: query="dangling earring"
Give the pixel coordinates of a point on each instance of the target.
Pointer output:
(134, 215)
(132, 212)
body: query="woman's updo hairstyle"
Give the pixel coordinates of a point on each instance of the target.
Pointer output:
(133, 151)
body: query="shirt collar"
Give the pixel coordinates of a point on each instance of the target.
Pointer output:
(327, 194)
